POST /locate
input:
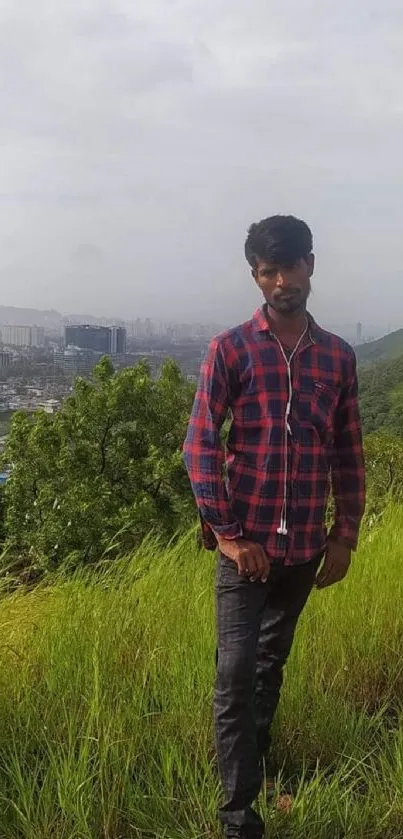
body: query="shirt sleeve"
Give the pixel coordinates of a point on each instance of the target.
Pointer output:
(348, 468)
(203, 450)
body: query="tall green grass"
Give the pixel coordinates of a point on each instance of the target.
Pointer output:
(106, 703)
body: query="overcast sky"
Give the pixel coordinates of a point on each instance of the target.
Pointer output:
(140, 138)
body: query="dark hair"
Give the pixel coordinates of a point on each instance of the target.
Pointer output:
(279, 239)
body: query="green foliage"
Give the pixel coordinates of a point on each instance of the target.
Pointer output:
(2, 515)
(103, 472)
(381, 397)
(384, 468)
(97, 477)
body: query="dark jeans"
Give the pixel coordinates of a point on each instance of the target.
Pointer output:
(255, 628)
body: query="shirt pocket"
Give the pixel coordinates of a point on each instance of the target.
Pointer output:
(249, 411)
(317, 404)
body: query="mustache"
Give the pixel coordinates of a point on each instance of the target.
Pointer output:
(286, 292)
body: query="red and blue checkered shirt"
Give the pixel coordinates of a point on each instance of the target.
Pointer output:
(295, 434)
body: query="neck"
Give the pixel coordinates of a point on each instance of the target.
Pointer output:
(287, 324)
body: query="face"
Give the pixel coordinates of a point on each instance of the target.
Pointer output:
(286, 288)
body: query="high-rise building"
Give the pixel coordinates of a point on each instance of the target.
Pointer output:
(149, 328)
(358, 336)
(37, 336)
(118, 340)
(16, 336)
(75, 361)
(5, 359)
(23, 336)
(108, 340)
(137, 329)
(88, 337)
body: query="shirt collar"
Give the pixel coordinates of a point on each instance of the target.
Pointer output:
(262, 324)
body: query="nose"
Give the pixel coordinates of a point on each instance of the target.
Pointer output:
(283, 279)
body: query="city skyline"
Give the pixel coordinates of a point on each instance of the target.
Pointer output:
(149, 329)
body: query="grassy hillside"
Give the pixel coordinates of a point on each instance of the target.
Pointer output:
(390, 346)
(105, 703)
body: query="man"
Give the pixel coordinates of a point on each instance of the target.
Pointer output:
(291, 390)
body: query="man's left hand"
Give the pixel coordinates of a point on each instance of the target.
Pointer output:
(335, 566)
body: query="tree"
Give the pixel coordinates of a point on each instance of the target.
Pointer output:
(1, 515)
(101, 473)
(384, 468)
(381, 397)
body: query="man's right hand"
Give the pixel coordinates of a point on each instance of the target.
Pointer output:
(250, 557)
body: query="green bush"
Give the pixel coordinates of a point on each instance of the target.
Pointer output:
(99, 475)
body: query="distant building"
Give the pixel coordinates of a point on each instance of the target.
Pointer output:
(5, 359)
(136, 329)
(359, 333)
(87, 337)
(22, 336)
(50, 406)
(37, 336)
(149, 329)
(117, 340)
(75, 361)
(16, 336)
(107, 340)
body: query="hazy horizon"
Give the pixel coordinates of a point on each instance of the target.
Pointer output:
(140, 142)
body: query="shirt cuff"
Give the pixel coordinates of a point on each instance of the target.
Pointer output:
(226, 531)
(229, 531)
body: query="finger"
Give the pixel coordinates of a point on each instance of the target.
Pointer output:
(246, 564)
(331, 574)
(242, 565)
(324, 574)
(256, 573)
(256, 552)
(260, 560)
(337, 576)
(262, 564)
(266, 572)
(326, 583)
(251, 564)
(332, 577)
(322, 582)
(330, 581)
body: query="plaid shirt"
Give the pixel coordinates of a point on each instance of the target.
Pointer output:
(295, 433)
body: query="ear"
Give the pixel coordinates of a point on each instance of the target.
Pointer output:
(255, 276)
(311, 264)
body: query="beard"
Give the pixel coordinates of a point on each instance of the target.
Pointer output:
(289, 302)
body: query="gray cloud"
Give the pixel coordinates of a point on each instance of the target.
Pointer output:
(154, 132)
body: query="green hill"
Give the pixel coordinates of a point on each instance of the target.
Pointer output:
(380, 365)
(390, 346)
